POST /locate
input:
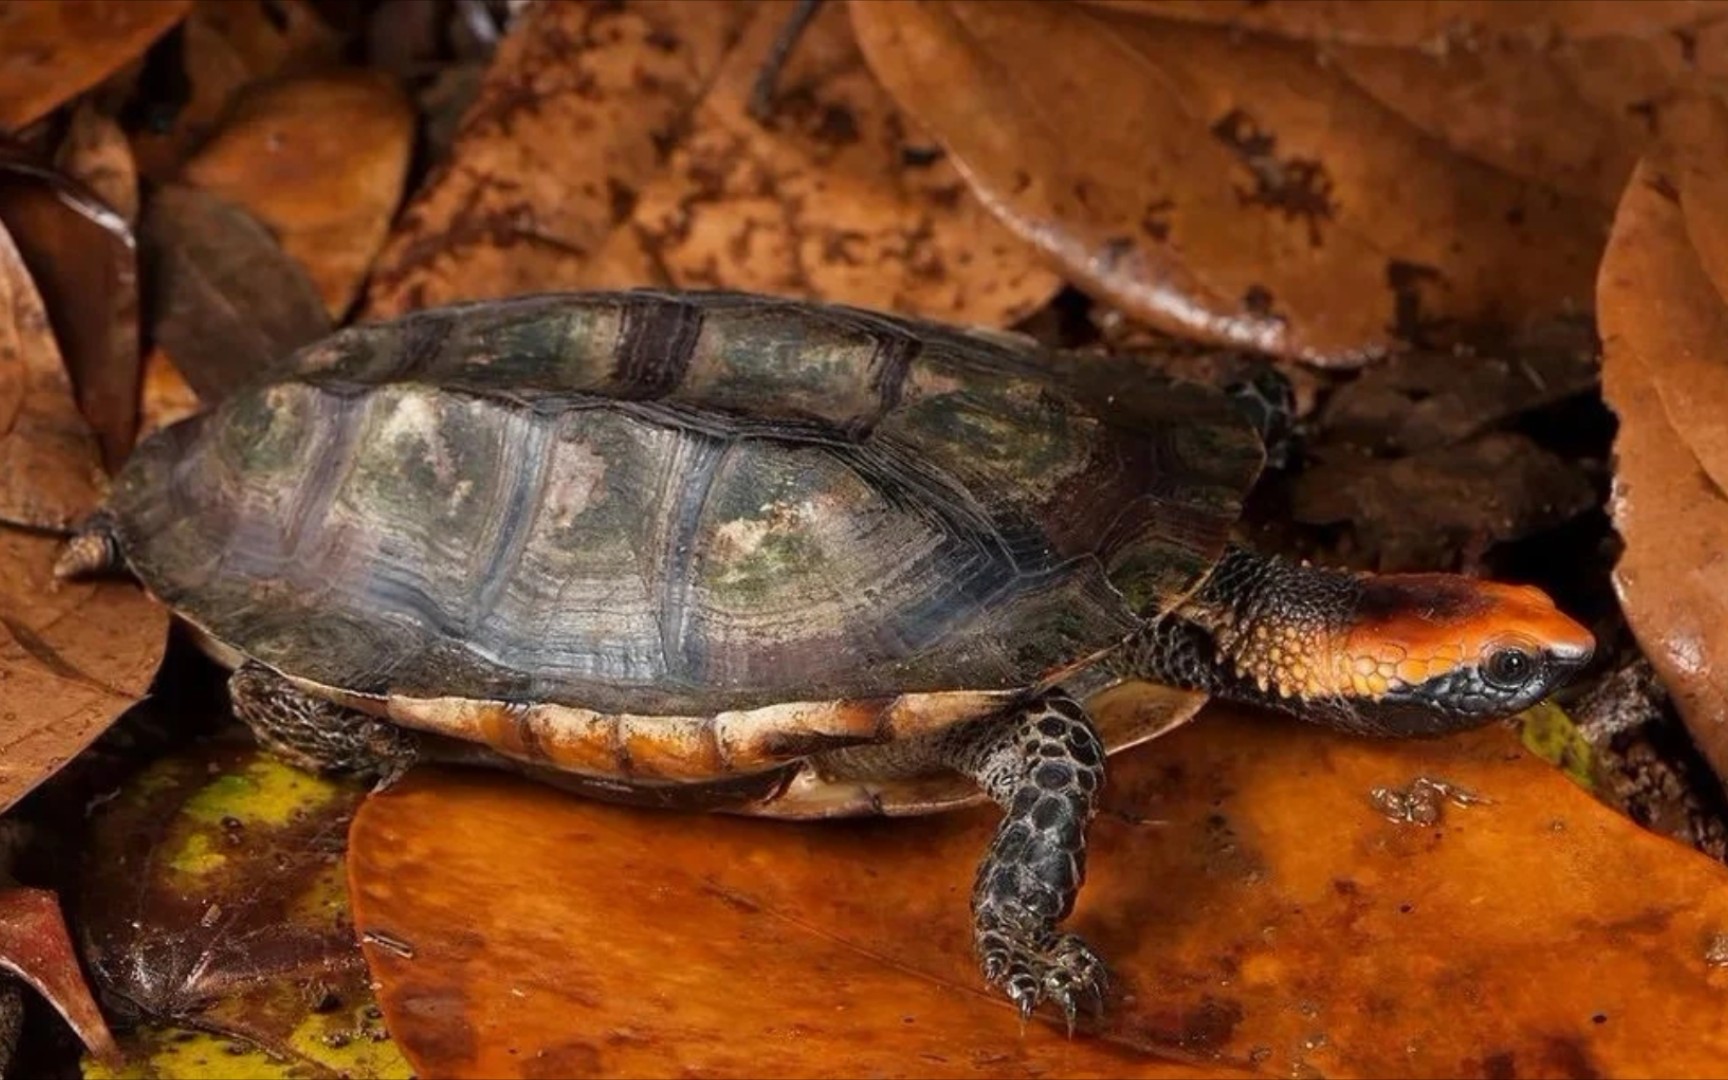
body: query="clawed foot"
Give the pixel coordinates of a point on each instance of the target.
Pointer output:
(1059, 968)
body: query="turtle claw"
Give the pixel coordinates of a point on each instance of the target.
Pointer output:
(1060, 969)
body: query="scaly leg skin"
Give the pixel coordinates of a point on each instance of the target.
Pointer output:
(1045, 766)
(317, 735)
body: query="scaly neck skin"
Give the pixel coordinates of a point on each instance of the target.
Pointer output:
(1260, 630)
(1401, 654)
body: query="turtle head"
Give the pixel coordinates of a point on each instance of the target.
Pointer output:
(1431, 653)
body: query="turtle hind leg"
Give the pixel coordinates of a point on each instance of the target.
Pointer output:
(317, 735)
(1044, 764)
(94, 550)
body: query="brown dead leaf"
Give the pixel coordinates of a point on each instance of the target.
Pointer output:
(320, 160)
(1437, 25)
(73, 226)
(35, 946)
(1563, 94)
(71, 658)
(50, 466)
(96, 154)
(226, 46)
(225, 300)
(1257, 905)
(1663, 299)
(51, 52)
(1239, 189)
(1434, 508)
(610, 147)
(167, 397)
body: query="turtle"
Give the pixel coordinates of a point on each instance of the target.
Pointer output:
(719, 551)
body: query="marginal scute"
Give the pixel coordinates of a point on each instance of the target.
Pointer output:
(674, 536)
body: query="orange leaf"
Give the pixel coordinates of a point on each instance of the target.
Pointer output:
(321, 160)
(610, 147)
(1663, 295)
(1259, 912)
(229, 45)
(51, 52)
(1223, 186)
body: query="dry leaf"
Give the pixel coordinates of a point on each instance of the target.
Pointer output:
(35, 946)
(71, 658)
(96, 154)
(226, 46)
(1226, 186)
(1257, 903)
(1663, 298)
(1564, 94)
(1417, 401)
(610, 147)
(51, 52)
(1425, 511)
(73, 227)
(225, 301)
(320, 160)
(167, 397)
(1438, 25)
(50, 465)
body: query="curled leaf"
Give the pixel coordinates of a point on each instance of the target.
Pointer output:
(1663, 297)
(50, 465)
(35, 946)
(1225, 186)
(73, 227)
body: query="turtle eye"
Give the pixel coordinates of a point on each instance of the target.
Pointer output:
(1509, 668)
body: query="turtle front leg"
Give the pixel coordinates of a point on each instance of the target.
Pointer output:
(317, 735)
(1044, 764)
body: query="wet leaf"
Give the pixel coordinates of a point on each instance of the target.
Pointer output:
(73, 226)
(159, 1053)
(50, 52)
(35, 946)
(1664, 319)
(215, 897)
(1257, 905)
(50, 466)
(225, 300)
(72, 657)
(1242, 191)
(320, 160)
(226, 46)
(610, 147)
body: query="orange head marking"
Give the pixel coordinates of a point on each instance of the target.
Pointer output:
(1467, 650)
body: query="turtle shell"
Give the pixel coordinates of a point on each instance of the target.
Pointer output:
(511, 521)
